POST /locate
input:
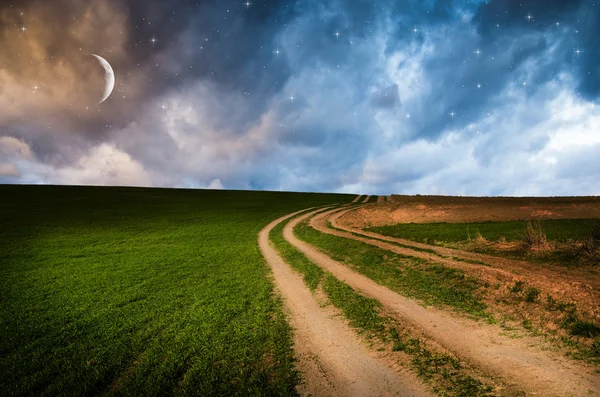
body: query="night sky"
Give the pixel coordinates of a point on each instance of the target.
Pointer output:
(496, 97)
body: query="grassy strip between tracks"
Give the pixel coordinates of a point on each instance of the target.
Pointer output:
(430, 282)
(446, 374)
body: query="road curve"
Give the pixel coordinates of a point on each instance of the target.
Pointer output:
(330, 356)
(518, 362)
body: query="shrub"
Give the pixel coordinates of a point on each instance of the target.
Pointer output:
(590, 249)
(534, 237)
(518, 287)
(585, 328)
(596, 347)
(532, 294)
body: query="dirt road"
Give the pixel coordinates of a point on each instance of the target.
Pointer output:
(366, 199)
(356, 198)
(330, 356)
(578, 285)
(516, 266)
(518, 362)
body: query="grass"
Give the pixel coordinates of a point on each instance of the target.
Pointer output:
(429, 251)
(532, 294)
(585, 328)
(561, 230)
(373, 199)
(445, 368)
(125, 291)
(362, 312)
(530, 236)
(445, 372)
(312, 273)
(432, 283)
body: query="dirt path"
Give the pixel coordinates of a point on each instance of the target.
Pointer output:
(356, 198)
(565, 284)
(331, 358)
(380, 199)
(518, 362)
(366, 199)
(581, 286)
(319, 223)
(515, 265)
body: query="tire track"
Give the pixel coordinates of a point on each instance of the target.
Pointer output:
(496, 264)
(330, 356)
(518, 362)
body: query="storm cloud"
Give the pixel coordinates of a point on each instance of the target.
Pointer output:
(451, 97)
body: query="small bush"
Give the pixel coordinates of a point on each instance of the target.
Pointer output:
(518, 287)
(590, 249)
(585, 328)
(565, 307)
(534, 237)
(532, 294)
(596, 347)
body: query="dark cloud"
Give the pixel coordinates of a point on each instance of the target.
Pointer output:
(308, 95)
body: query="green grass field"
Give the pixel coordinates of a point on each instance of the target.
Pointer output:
(563, 235)
(125, 291)
(556, 230)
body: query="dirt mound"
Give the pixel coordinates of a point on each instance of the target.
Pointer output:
(425, 209)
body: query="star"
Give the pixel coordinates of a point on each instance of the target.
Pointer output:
(337, 35)
(277, 52)
(578, 51)
(292, 98)
(23, 28)
(478, 52)
(529, 17)
(247, 4)
(415, 30)
(153, 40)
(478, 85)
(452, 114)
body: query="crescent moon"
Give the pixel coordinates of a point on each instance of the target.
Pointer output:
(109, 77)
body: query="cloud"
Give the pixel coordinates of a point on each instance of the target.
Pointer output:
(11, 147)
(440, 96)
(8, 170)
(216, 185)
(105, 165)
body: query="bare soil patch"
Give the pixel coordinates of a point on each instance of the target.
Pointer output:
(425, 209)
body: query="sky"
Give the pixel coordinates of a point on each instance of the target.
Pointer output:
(497, 97)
